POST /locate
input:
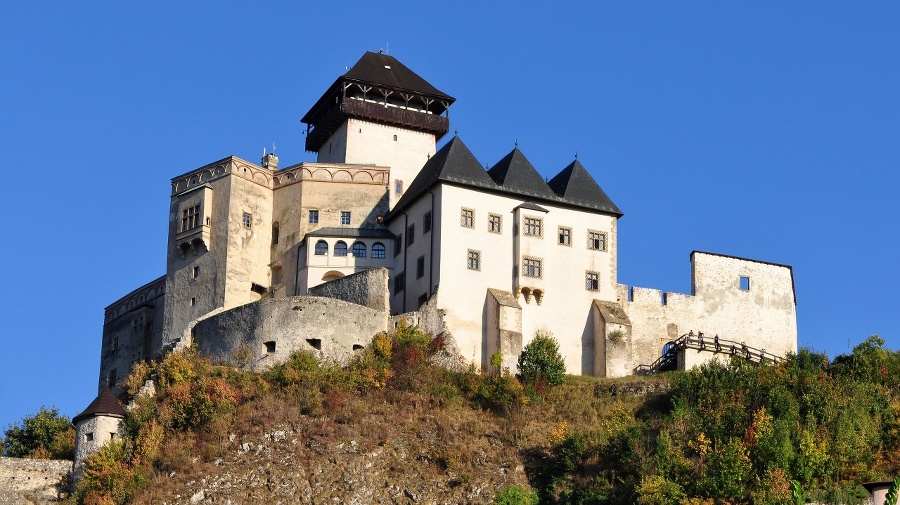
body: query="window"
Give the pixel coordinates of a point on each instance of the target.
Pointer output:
(596, 240)
(423, 298)
(410, 235)
(744, 283)
(314, 216)
(89, 437)
(420, 267)
(190, 218)
(275, 233)
(531, 267)
(248, 220)
(378, 251)
(345, 217)
(398, 244)
(398, 185)
(270, 346)
(467, 218)
(340, 249)
(473, 260)
(399, 282)
(592, 281)
(359, 250)
(533, 227)
(136, 326)
(195, 272)
(321, 248)
(111, 379)
(495, 222)
(565, 236)
(193, 301)
(426, 223)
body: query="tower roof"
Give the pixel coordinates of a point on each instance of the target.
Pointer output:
(576, 185)
(105, 404)
(384, 70)
(515, 173)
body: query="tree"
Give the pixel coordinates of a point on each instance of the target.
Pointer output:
(540, 364)
(45, 435)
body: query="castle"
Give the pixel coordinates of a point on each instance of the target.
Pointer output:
(322, 255)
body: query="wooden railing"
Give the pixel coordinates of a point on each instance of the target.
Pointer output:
(669, 359)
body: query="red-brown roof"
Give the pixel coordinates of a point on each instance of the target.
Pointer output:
(105, 404)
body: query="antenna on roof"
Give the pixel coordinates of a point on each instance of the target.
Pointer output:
(264, 152)
(273, 148)
(517, 143)
(387, 48)
(576, 155)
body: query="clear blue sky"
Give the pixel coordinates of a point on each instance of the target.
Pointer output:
(768, 130)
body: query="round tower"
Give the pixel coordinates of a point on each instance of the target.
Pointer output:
(100, 422)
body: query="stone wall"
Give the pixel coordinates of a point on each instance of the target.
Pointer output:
(37, 481)
(368, 288)
(260, 334)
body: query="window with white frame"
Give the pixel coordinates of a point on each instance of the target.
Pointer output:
(248, 220)
(592, 281)
(314, 216)
(532, 267)
(345, 217)
(378, 251)
(473, 260)
(359, 250)
(340, 248)
(467, 218)
(533, 226)
(495, 223)
(596, 240)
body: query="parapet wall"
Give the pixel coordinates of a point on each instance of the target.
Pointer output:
(368, 288)
(33, 480)
(259, 334)
(758, 310)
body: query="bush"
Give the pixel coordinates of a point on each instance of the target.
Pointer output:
(515, 495)
(45, 435)
(540, 364)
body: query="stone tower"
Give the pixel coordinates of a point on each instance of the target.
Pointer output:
(379, 113)
(100, 422)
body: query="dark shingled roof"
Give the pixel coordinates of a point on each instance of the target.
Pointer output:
(515, 173)
(576, 185)
(351, 232)
(105, 404)
(376, 68)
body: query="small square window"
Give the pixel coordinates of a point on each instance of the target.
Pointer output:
(410, 235)
(467, 218)
(565, 236)
(345, 217)
(248, 220)
(473, 260)
(533, 227)
(592, 281)
(532, 267)
(420, 267)
(596, 240)
(495, 223)
(314, 216)
(745, 283)
(89, 437)
(426, 222)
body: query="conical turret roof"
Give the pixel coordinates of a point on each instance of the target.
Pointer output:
(105, 404)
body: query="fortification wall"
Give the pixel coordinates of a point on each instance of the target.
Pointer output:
(368, 288)
(34, 481)
(257, 335)
(738, 299)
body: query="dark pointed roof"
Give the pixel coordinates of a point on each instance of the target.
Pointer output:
(385, 70)
(515, 173)
(105, 404)
(576, 185)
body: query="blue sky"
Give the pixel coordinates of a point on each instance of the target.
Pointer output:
(766, 130)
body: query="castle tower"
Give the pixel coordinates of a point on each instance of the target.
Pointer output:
(380, 112)
(100, 422)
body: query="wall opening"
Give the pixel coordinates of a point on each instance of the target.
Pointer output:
(316, 343)
(357, 347)
(744, 283)
(270, 346)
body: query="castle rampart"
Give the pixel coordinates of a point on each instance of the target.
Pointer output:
(35, 481)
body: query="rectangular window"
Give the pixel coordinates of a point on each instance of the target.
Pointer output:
(248, 220)
(113, 377)
(193, 301)
(345, 217)
(473, 260)
(398, 244)
(467, 218)
(533, 227)
(420, 267)
(410, 235)
(190, 218)
(592, 281)
(744, 283)
(565, 236)
(398, 184)
(399, 282)
(195, 272)
(596, 240)
(314, 217)
(275, 231)
(426, 223)
(495, 223)
(531, 267)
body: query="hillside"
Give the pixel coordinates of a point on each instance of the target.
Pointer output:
(393, 428)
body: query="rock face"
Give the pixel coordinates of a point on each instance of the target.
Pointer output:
(33, 481)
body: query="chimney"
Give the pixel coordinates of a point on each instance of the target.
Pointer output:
(270, 161)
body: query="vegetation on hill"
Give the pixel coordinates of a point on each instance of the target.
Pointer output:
(44, 435)
(392, 427)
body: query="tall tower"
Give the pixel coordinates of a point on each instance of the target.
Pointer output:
(379, 113)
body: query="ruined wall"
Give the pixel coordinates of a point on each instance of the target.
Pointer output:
(36, 481)
(368, 288)
(262, 333)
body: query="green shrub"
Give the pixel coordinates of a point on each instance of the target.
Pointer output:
(515, 495)
(540, 364)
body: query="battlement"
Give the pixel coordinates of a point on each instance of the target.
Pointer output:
(136, 298)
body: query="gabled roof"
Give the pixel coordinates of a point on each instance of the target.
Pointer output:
(575, 185)
(381, 69)
(515, 173)
(105, 404)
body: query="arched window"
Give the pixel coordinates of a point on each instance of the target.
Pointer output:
(378, 250)
(321, 248)
(340, 249)
(359, 250)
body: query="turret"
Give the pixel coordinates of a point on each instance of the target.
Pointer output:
(100, 422)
